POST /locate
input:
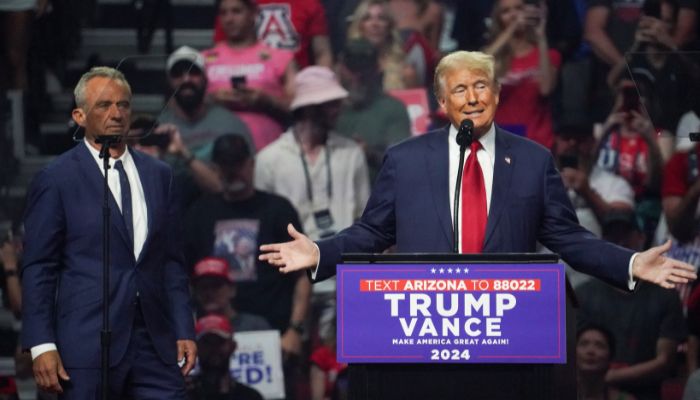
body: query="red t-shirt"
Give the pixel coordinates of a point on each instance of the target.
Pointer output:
(676, 180)
(627, 157)
(521, 109)
(325, 359)
(289, 25)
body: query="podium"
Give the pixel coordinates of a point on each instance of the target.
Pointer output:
(407, 380)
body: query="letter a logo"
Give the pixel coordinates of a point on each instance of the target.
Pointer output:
(275, 26)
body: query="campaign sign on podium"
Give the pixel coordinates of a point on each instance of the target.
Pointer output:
(451, 313)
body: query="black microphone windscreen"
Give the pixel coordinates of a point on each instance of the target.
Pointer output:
(464, 134)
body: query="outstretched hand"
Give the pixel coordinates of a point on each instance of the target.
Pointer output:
(300, 253)
(653, 266)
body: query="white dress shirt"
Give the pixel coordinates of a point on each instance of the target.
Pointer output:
(138, 205)
(487, 160)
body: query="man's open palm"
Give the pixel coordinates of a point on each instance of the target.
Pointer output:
(300, 253)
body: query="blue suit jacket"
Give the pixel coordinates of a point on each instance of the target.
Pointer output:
(409, 207)
(62, 263)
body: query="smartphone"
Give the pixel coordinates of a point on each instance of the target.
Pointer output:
(630, 99)
(145, 125)
(156, 139)
(568, 161)
(652, 8)
(238, 82)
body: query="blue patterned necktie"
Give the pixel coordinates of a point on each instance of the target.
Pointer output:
(126, 200)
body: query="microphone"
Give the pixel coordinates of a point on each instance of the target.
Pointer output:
(465, 133)
(465, 136)
(111, 139)
(107, 141)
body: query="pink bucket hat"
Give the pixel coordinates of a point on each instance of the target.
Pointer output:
(316, 85)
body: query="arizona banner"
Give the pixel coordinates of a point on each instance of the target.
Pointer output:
(451, 313)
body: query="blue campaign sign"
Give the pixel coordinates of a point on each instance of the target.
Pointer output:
(451, 313)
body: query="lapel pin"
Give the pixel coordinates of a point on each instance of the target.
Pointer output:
(508, 160)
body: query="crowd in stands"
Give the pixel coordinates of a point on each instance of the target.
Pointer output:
(286, 117)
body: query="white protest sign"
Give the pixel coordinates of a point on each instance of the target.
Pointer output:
(257, 362)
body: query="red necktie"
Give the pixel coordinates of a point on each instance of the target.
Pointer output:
(473, 203)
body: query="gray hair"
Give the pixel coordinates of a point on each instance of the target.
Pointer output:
(471, 60)
(105, 72)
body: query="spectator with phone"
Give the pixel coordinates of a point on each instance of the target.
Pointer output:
(248, 77)
(629, 148)
(526, 67)
(659, 68)
(593, 191)
(163, 141)
(199, 121)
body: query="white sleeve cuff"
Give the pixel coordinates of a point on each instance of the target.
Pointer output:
(631, 282)
(41, 349)
(315, 270)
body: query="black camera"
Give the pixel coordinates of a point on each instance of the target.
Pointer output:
(144, 126)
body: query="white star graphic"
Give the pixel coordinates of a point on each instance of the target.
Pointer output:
(442, 270)
(458, 270)
(466, 270)
(449, 270)
(433, 270)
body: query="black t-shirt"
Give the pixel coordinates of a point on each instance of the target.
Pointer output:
(666, 89)
(212, 221)
(622, 20)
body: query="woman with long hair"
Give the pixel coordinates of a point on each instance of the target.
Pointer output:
(525, 66)
(373, 22)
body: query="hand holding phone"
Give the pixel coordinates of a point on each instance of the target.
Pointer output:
(238, 81)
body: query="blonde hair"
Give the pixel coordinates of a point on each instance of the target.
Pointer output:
(470, 60)
(504, 56)
(94, 72)
(391, 54)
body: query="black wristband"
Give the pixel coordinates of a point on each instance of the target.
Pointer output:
(297, 326)
(12, 272)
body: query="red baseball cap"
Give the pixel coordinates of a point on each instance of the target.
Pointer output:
(213, 266)
(216, 324)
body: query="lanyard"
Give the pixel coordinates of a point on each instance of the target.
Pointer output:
(329, 182)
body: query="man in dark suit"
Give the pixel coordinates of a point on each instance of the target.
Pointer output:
(512, 197)
(150, 316)
(516, 199)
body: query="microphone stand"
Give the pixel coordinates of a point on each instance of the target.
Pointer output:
(464, 139)
(458, 187)
(106, 141)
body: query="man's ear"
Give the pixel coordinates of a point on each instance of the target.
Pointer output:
(79, 116)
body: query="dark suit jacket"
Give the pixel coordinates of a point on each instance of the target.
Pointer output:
(409, 207)
(62, 263)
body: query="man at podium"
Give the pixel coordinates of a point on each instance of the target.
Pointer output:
(511, 197)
